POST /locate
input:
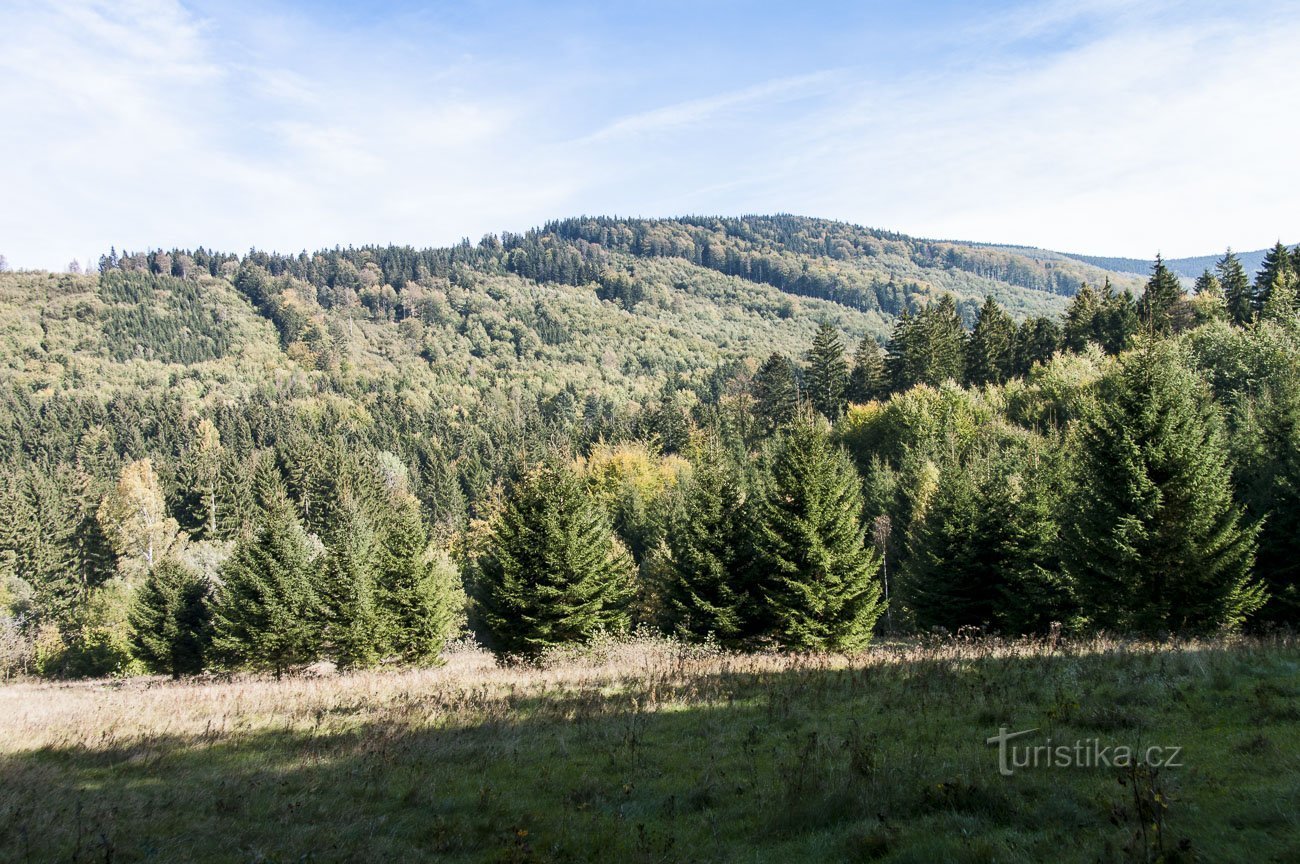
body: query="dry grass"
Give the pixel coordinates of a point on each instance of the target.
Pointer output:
(660, 751)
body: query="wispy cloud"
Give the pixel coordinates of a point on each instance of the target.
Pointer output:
(1097, 126)
(693, 113)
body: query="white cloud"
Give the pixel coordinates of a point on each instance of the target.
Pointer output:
(143, 124)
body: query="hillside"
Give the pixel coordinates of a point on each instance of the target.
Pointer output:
(597, 304)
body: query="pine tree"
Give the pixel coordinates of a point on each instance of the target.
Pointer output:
(554, 572)
(1276, 271)
(1159, 301)
(828, 373)
(420, 591)
(268, 611)
(990, 353)
(708, 592)
(867, 380)
(811, 562)
(170, 620)
(1236, 289)
(776, 392)
(1154, 537)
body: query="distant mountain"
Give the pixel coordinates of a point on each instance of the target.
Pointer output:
(1188, 268)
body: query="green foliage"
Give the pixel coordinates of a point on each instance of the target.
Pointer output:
(709, 592)
(776, 393)
(991, 351)
(867, 380)
(352, 631)
(420, 590)
(1236, 289)
(268, 612)
(1277, 274)
(1154, 537)
(811, 563)
(170, 620)
(553, 572)
(982, 551)
(828, 373)
(1158, 304)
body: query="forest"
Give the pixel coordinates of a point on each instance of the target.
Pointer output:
(766, 432)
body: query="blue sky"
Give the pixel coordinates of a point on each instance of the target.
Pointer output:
(1096, 126)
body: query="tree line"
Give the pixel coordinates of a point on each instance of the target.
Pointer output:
(1129, 466)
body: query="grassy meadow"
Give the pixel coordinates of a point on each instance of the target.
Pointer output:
(653, 752)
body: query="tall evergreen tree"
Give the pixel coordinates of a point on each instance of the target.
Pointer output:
(1157, 308)
(1236, 289)
(867, 380)
(553, 573)
(1153, 535)
(1080, 325)
(776, 392)
(828, 373)
(268, 610)
(708, 592)
(944, 342)
(420, 590)
(811, 560)
(1275, 272)
(352, 633)
(1037, 340)
(1119, 319)
(982, 552)
(990, 353)
(170, 621)
(1268, 442)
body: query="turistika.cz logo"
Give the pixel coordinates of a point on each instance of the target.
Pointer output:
(1084, 753)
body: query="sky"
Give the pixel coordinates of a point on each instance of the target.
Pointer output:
(1097, 126)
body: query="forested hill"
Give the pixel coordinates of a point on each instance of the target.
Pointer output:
(598, 305)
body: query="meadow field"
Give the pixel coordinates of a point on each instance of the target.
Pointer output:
(649, 751)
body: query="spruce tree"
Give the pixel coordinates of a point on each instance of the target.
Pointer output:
(708, 592)
(990, 353)
(867, 380)
(554, 572)
(1080, 323)
(1037, 340)
(351, 634)
(1152, 534)
(420, 591)
(776, 392)
(1119, 319)
(811, 562)
(1269, 443)
(170, 621)
(1276, 271)
(1236, 289)
(268, 611)
(828, 373)
(943, 343)
(982, 552)
(1157, 308)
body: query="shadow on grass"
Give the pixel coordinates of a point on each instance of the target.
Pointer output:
(886, 762)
